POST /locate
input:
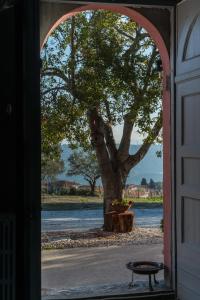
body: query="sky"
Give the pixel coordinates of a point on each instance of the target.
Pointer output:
(136, 138)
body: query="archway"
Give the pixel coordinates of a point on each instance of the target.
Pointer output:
(156, 36)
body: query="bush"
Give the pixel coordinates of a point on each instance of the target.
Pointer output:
(63, 192)
(72, 191)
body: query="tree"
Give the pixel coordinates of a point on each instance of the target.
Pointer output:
(99, 70)
(158, 185)
(85, 164)
(144, 181)
(51, 164)
(151, 184)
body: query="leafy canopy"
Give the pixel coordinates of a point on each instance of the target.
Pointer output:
(51, 163)
(98, 59)
(85, 164)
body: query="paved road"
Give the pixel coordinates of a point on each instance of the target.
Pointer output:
(73, 268)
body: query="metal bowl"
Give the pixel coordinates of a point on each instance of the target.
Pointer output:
(145, 267)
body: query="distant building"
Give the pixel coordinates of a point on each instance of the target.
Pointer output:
(137, 191)
(84, 187)
(66, 184)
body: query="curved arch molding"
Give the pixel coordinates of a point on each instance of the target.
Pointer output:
(193, 37)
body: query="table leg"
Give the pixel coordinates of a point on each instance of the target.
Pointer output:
(155, 281)
(150, 283)
(131, 284)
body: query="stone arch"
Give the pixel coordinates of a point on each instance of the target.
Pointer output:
(158, 39)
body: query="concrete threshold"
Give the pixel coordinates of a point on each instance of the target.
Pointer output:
(111, 292)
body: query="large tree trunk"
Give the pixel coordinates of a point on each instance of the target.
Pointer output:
(113, 173)
(115, 164)
(113, 190)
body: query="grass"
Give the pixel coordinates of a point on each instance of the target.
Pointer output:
(67, 202)
(147, 200)
(70, 199)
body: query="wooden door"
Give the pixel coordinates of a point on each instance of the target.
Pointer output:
(8, 153)
(188, 150)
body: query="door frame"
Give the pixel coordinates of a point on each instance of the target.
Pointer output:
(27, 111)
(167, 149)
(28, 118)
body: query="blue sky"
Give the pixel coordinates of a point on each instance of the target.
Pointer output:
(136, 138)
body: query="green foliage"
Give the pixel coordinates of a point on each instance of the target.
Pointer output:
(98, 59)
(158, 185)
(144, 182)
(51, 163)
(159, 153)
(74, 192)
(123, 202)
(148, 200)
(152, 184)
(84, 163)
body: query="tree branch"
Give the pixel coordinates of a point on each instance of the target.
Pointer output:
(72, 54)
(98, 142)
(130, 52)
(149, 69)
(141, 92)
(88, 179)
(110, 141)
(132, 38)
(59, 73)
(123, 151)
(124, 146)
(61, 88)
(108, 111)
(55, 72)
(129, 121)
(108, 133)
(133, 160)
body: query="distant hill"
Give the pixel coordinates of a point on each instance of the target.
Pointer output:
(150, 167)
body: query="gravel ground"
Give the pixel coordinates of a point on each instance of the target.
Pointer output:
(98, 238)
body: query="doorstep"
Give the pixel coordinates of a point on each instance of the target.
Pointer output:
(110, 291)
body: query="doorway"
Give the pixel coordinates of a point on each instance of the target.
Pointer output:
(154, 33)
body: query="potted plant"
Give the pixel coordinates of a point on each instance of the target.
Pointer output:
(121, 206)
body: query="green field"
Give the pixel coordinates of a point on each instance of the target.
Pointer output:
(51, 202)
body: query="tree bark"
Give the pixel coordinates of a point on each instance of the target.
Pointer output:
(111, 174)
(114, 164)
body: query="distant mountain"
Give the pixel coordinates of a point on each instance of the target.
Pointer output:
(150, 167)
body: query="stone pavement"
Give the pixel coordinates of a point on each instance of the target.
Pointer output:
(87, 272)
